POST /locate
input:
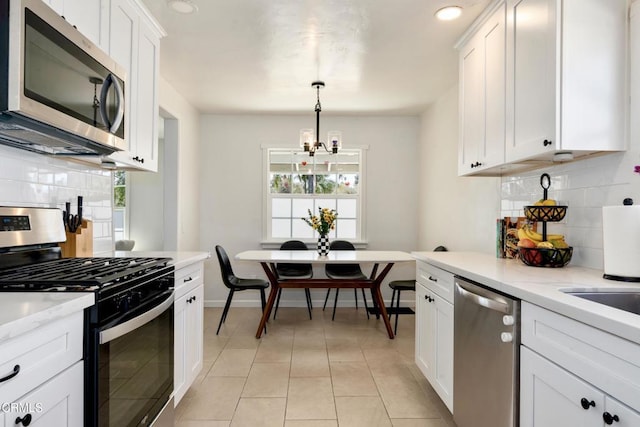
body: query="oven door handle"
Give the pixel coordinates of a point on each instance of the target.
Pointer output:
(128, 326)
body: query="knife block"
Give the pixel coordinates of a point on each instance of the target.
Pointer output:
(80, 243)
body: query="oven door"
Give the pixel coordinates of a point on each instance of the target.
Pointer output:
(135, 365)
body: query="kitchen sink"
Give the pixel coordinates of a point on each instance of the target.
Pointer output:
(623, 300)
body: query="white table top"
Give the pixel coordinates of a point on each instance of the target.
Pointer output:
(334, 257)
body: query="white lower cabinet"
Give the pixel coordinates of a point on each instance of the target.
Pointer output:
(434, 330)
(551, 396)
(42, 376)
(572, 374)
(59, 402)
(188, 331)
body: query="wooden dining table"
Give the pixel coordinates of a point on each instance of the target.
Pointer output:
(269, 258)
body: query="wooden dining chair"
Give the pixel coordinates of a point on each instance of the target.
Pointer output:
(344, 271)
(236, 284)
(292, 271)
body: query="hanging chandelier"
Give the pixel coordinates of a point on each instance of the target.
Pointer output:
(307, 141)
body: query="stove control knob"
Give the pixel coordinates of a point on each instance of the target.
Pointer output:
(136, 298)
(507, 320)
(506, 337)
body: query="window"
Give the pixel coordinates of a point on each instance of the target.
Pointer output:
(119, 205)
(297, 183)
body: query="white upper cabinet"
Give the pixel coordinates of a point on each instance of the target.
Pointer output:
(85, 15)
(544, 77)
(566, 77)
(135, 44)
(482, 97)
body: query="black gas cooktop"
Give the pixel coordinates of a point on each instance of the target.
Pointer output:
(81, 274)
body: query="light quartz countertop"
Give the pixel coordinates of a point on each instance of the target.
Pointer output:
(543, 287)
(23, 311)
(180, 258)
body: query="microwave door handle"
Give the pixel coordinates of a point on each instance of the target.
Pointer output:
(130, 325)
(111, 80)
(120, 101)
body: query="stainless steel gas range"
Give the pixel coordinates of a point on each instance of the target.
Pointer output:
(128, 349)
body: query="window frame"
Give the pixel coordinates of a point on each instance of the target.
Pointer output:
(269, 242)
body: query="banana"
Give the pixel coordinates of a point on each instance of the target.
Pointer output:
(537, 237)
(532, 235)
(521, 234)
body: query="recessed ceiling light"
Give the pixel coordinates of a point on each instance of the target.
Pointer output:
(448, 13)
(183, 6)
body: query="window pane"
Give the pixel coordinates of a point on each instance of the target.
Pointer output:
(281, 208)
(347, 208)
(324, 203)
(325, 184)
(281, 228)
(301, 208)
(119, 197)
(346, 228)
(348, 183)
(301, 230)
(280, 183)
(280, 161)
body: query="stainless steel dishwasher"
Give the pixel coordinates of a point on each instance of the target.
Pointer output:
(486, 357)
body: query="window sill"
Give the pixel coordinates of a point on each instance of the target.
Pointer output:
(311, 244)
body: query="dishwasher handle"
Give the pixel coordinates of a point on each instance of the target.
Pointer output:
(482, 300)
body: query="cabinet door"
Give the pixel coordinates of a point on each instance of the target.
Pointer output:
(122, 30)
(626, 417)
(180, 336)
(482, 97)
(424, 336)
(195, 334)
(442, 372)
(85, 16)
(552, 397)
(531, 78)
(491, 150)
(471, 105)
(146, 108)
(58, 402)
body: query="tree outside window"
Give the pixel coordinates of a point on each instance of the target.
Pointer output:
(119, 205)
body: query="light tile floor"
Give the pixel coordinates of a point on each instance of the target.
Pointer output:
(309, 373)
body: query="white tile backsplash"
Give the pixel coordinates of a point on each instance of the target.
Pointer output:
(585, 186)
(29, 179)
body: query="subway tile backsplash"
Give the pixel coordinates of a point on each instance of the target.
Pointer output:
(585, 186)
(28, 179)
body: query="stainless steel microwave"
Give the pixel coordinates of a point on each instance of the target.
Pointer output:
(59, 93)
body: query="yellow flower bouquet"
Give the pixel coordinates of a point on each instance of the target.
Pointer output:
(323, 222)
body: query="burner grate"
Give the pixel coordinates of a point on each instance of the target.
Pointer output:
(79, 272)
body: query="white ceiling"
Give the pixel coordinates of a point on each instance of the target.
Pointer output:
(260, 56)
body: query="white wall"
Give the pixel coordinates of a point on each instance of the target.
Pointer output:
(182, 132)
(29, 179)
(456, 212)
(231, 196)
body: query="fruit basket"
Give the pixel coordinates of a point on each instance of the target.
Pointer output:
(545, 257)
(543, 250)
(545, 213)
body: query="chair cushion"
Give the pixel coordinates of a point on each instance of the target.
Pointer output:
(241, 284)
(349, 275)
(403, 285)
